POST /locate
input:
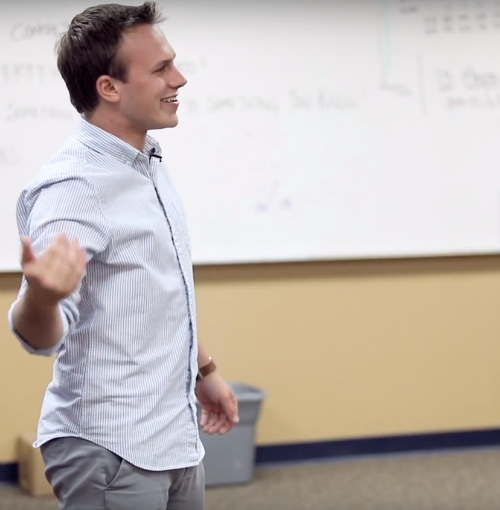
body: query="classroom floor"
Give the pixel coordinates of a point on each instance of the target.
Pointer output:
(467, 480)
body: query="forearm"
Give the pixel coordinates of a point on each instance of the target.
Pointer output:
(40, 326)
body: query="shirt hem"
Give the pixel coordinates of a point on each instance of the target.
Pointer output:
(149, 467)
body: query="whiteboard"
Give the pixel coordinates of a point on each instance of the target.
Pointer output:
(308, 130)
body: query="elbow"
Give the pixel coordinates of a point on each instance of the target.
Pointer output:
(46, 351)
(33, 340)
(42, 352)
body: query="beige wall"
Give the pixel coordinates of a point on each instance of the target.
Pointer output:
(342, 349)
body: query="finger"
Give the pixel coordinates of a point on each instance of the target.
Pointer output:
(212, 420)
(55, 260)
(230, 408)
(224, 425)
(211, 424)
(214, 429)
(71, 254)
(220, 425)
(82, 258)
(62, 240)
(66, 254)
(208, 410)
(78, 256)
(204, 418)
(59, 272)
(27, 254)
(57, 249)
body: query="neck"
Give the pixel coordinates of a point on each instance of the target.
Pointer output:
(118, 127)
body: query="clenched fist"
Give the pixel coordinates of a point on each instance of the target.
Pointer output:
(56, 273)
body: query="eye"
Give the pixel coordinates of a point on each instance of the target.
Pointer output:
(161, 69)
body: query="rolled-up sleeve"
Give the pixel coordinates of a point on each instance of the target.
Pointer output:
(70, 206)
(29, 348)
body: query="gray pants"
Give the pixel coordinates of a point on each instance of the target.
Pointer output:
(85, 476)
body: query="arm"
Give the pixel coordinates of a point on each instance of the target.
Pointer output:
(40, 326)
(203, 358)
(46, 310)
(219, 404)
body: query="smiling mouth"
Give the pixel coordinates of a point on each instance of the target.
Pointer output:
(172, 100)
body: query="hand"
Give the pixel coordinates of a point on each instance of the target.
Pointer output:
(56, 273)
(219, 405)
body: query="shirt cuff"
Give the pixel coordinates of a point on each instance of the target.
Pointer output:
(28, 347)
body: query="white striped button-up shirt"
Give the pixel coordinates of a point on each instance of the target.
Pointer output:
(125, 370)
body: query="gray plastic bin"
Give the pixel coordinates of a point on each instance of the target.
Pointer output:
(230, 458)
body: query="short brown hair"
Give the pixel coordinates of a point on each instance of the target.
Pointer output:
(88, 49)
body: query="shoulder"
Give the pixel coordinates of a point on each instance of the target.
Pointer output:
(66, 172)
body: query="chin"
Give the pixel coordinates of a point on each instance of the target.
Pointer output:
(173, 122)
(162, 122)
(169, 121)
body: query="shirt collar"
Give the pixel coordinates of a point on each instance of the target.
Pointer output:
(108, 144)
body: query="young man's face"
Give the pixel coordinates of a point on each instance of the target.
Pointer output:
(151, 78)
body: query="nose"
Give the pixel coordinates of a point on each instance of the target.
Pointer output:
(177, 80)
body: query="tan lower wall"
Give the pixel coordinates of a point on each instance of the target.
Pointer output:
(342, 349)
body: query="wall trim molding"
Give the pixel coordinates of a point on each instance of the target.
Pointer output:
(8, 473)
(345, 448)
(360, 447)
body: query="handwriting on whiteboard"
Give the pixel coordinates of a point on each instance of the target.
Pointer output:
(468, 78)
(28, 31)
(469, 88)
(31, 73)
(271, 198)
(447, 17)
(294, 101)
(28, 73)
(21, 112)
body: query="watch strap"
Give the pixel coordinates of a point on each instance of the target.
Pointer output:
(207, 369)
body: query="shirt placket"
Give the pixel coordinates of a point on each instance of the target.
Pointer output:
(180, 253)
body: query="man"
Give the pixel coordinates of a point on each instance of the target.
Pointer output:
(108, 284)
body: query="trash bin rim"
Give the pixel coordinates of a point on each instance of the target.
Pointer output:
(246, 392)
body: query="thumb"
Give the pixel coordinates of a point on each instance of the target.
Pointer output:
(230, 408)
(27, 253)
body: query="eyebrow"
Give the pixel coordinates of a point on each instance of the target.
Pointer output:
(164, 62)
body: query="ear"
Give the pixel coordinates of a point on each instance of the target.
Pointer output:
(107, 89)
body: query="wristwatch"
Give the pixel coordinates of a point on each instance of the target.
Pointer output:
(206, 370)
